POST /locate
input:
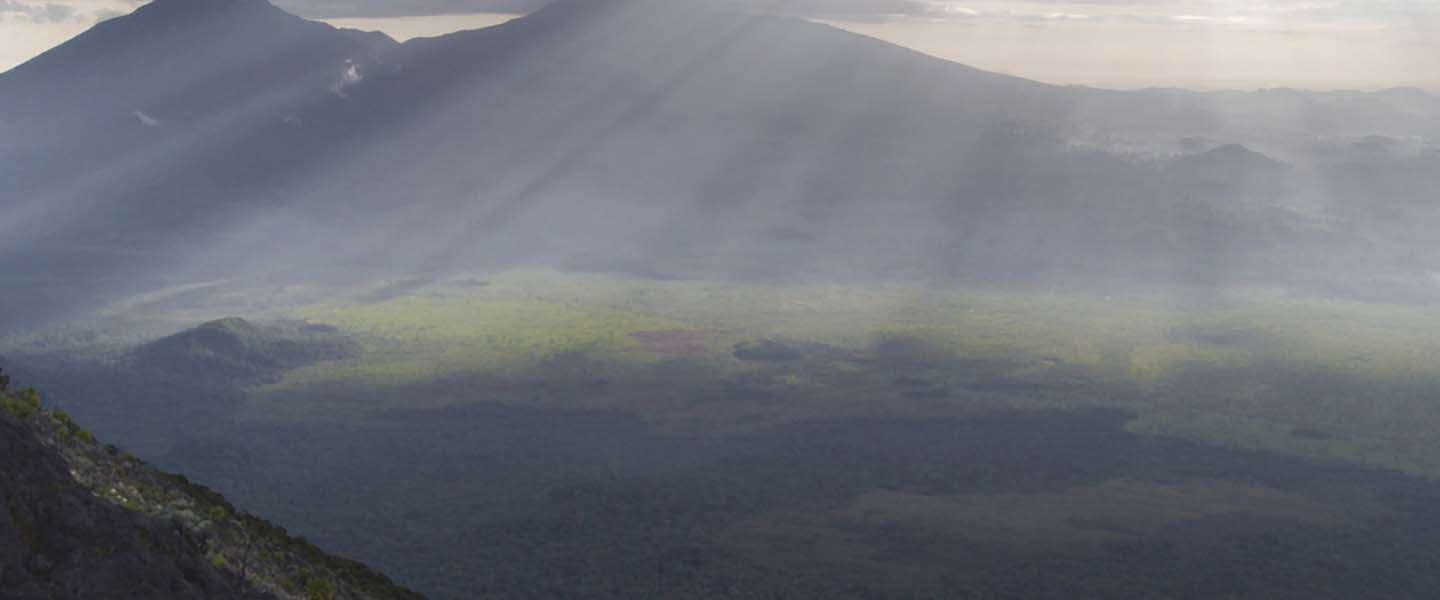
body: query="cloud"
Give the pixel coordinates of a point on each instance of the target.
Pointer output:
(1418, 15)
(35, 12)
(83, 12)
(1279, 15)
(1274, 14)
(349, 77)
(393, 8)
(327, 9)
(331, 9)
(146, 120)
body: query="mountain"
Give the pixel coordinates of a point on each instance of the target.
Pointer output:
(612, 132)
(655, 138)
(118, 101)
(172, 65)
(111, 114)
(94, 522)
(116, 106)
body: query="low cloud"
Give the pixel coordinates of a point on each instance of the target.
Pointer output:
(146, 120)
(1275, 14)
(83, 12)
(1272, 13)
(349, 77)
(334, 9)
(36, 12)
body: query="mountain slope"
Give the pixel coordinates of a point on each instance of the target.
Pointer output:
(87, 521)
(104, 123)
(617, 126)
(627, 128)
(666, 139)
(182, 55)
(143, 88)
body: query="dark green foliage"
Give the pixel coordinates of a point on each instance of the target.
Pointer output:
(515, 502)
(319, 588)
(63, 418)
(69, 427)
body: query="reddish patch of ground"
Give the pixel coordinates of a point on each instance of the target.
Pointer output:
(671, 341)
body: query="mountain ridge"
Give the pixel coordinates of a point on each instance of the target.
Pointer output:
(164, 73)
(664, 140)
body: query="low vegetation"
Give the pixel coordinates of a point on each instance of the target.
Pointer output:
(1336, 380)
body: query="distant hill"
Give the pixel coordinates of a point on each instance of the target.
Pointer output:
(192, 377)
(94, 522)
(1232, 166)
(236, 351)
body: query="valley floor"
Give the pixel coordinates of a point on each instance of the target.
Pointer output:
(541, 434)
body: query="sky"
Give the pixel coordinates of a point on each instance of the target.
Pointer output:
(1201, 44)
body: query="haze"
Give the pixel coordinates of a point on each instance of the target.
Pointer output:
(626, 299)
(1214, 44)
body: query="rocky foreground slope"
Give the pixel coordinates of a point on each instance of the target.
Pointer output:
(83, 519)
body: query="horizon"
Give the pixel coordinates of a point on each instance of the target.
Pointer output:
(1111, 51)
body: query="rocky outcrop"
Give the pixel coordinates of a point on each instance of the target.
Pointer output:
(79, 519)
(59, 540)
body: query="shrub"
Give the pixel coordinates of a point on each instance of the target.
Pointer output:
(70, 426)
(22, 404)
(319, 588)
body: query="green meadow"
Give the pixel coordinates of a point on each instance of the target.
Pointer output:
(1303, 376)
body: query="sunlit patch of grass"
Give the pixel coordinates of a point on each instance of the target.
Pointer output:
(1355, 379)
